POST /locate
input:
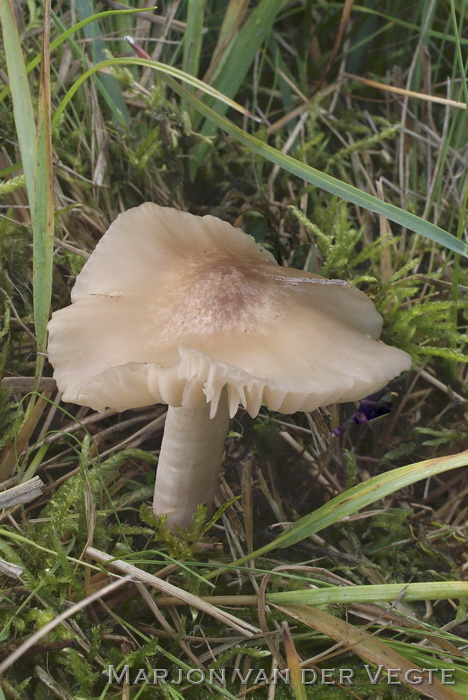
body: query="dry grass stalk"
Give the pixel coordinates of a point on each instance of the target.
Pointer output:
(244, 628)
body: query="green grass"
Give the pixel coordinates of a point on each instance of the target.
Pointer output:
(357, 543)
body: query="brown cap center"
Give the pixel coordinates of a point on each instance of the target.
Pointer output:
(220, 293)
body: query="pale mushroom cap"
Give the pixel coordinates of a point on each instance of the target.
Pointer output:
(172, 307)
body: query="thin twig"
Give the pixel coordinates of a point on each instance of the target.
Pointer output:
(23, 493)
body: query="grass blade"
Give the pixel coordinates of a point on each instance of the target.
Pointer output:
(233, 17)
(437, 99)
(382, 593)
(43, 219)
(372, 490)
(22, 103)
(193, 36)
(459, 52)
(327, 182)
(107, 84)
(239, 55)
(400, 22)
(236, 60)
(36, 154)
(161, 68)
(294, 665)
(69, 32)
(369, 648)
(303, 171)
(355, 499)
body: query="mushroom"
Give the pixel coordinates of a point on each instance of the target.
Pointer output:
(189, 311)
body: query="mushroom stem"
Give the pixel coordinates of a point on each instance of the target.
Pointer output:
(190, 461)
